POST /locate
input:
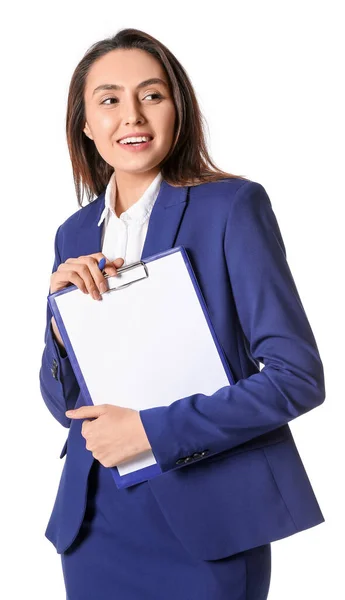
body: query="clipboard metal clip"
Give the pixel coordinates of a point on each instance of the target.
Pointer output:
(124, 274)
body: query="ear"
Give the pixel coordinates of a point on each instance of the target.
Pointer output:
(87, 131)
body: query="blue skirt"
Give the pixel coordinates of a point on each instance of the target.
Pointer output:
(125, 550)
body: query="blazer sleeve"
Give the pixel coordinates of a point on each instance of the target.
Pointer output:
(58, 384)
(278, 335)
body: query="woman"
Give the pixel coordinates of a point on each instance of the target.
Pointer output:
(232, 480)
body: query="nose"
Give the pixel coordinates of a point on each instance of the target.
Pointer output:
(131, 112)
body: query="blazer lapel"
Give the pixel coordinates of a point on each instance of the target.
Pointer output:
(163, 226)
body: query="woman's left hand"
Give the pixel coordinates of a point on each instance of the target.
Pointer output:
(115, 434)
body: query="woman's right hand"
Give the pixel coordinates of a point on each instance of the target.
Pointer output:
(85, 274)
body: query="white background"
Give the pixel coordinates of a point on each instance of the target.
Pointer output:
(268, 76)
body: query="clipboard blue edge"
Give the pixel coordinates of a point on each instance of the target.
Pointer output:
(141, 475)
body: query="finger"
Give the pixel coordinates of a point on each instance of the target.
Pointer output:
(118, 262)
(85, 274)
(98, 276)
(96, 255)
(70, 276)
(85, 412)
(111, 266)
(83, 265)
(65, 276)
(108, 267)
(84, 427)
(83, 270)
(96, 281)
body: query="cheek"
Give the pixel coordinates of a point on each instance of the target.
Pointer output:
(103, 131)
(103, 126)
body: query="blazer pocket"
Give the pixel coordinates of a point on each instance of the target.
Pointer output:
(64, 449)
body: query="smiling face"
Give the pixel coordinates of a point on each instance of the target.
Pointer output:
(127, 107)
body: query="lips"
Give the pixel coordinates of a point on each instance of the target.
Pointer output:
(136, 146)
(129, 135)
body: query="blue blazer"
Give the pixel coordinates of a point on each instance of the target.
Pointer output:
(251, 487)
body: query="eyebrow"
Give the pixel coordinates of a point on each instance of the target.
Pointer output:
(114, 86)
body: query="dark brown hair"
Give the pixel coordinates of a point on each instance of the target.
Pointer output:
(187, 162)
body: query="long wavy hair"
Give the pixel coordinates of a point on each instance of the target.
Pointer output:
(188, 161)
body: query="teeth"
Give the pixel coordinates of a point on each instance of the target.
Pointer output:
(135, 139)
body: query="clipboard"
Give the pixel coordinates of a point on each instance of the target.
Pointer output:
(147, 343)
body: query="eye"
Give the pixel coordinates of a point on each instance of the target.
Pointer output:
(153, 94)
(105, 99)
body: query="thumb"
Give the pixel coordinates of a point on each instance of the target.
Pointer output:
(118, 262)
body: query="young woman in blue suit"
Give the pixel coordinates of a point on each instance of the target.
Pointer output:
(232, 479)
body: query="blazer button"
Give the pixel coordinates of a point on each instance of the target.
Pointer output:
(54, 369)
(197, 455)
(188, 459)
(204, 452)
(180, 461)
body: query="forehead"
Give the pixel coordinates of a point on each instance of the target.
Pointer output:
(123, 67)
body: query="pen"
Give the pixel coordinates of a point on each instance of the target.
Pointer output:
(101, 267)
(102, 263)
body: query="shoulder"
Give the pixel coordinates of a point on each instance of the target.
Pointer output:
(224, 193)
(76, 219)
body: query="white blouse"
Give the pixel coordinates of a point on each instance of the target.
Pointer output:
(124, 236)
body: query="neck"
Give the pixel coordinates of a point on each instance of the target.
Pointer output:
(130, 187)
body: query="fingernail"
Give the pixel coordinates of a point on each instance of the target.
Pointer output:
(103, 286)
